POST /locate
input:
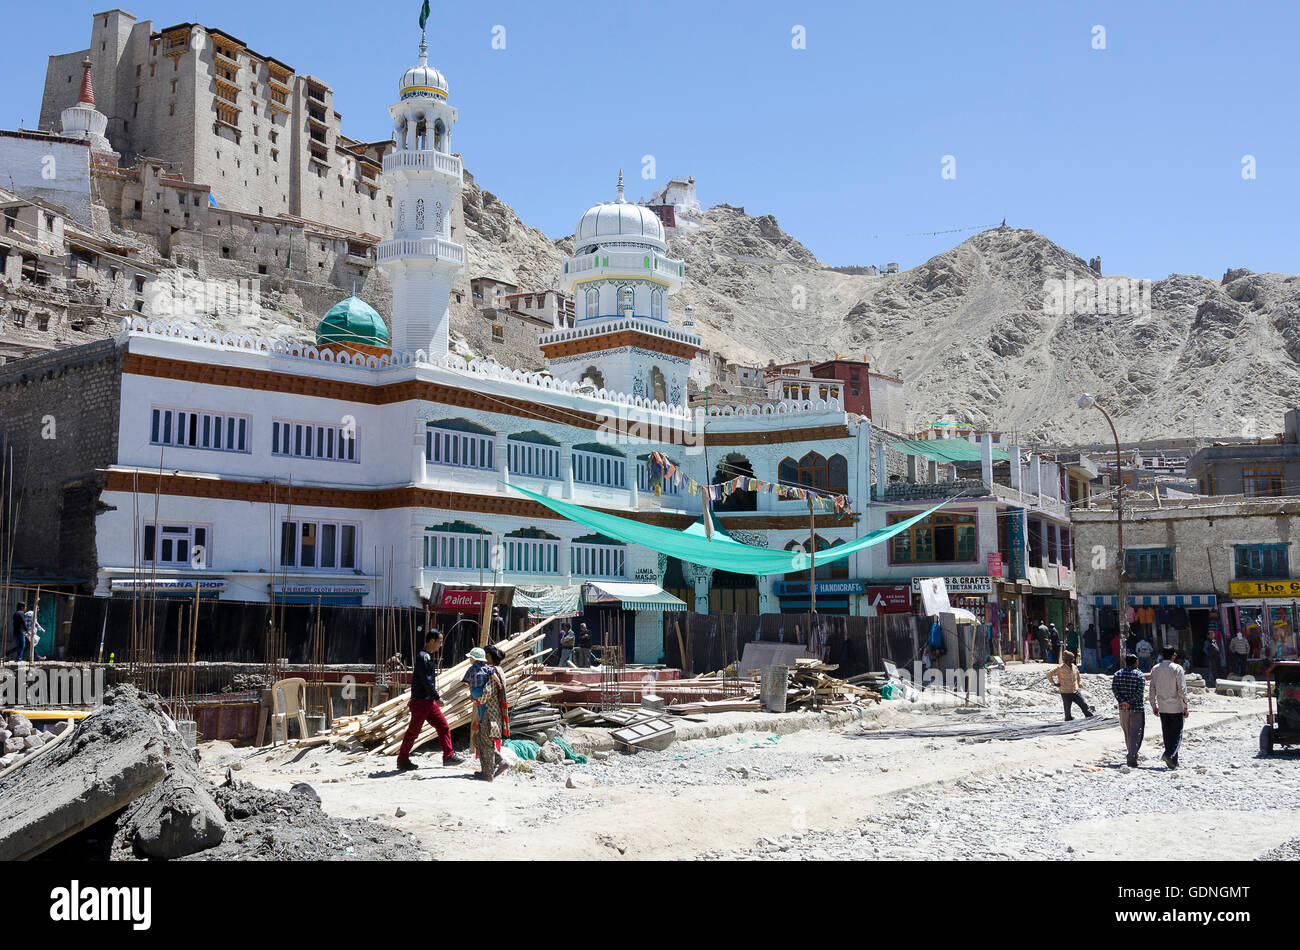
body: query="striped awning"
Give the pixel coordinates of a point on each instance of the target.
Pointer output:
(633, 596)
(1158, 600)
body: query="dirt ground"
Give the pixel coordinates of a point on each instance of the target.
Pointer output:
(831, 792)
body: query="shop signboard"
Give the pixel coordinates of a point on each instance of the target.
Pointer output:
(462, 601)
(1281, 588)
(892, 599)
(1016, 542)
(974, 584)
(824, 588)
(324, 590)
(162, 585)
(995, 564)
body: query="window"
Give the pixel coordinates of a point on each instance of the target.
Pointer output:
(457, 547)
(444, 446)
(319, 545)
(1261, 482)
(532, 551)
(940, 538)
(177, 545)
(1156, 564)
(832, 570)
(657, 305)
(599, 468)
(498, 333)
(626, 299)
(1209, 485)
(597, 556)
(537, 459)
(593, 302)
(306, 440)
(814, 471)
(188, 428)
(1266, 561)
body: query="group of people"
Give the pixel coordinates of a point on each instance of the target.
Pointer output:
(576, 647)
(27, 632)
(487, 688)
(1168, 697)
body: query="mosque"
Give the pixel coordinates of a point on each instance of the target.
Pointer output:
(376, 466)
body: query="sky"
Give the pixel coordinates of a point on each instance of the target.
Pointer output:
(1163, 137)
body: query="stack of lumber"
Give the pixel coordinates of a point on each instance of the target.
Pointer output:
(381, 729)
(810, 685)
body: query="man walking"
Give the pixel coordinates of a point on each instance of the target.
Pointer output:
(1144, 651)
(424, 705)
(1072, 640)
(1054, 638)
(1090, 649)
(19, 632)
(1044, 644)
(1214, 659)
(1239, 647)
(1066, 679)
(1129, 685)
(1169, 702)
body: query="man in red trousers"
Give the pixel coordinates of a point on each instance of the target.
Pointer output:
(424, 705)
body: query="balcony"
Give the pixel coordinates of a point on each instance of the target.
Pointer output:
(435, 249)
(648, 263)
(424, 160)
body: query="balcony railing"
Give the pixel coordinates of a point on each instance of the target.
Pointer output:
(599, 560)
(422, 160)
(597, 468)
(532, 556)
(428, 248)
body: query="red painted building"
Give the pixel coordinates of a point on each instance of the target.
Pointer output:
(856, 376)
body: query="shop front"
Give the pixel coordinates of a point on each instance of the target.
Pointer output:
(1182, 621)
(1266, 613)
(833, 596)
(969, 592)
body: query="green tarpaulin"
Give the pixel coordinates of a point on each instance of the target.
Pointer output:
(723, 552)
(944, 450)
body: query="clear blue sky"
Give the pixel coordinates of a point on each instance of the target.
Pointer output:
(1133, 152)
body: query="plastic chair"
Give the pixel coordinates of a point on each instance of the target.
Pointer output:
(290, 698)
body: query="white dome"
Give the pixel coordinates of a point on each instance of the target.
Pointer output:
(618, 220)
(419, 79)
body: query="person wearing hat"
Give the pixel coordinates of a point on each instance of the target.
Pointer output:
(491, 721)
(1066, 679)
(424, 705)
(1129, 686)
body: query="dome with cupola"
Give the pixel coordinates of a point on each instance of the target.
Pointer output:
(423, 80)
(619, 222)
(354, 326)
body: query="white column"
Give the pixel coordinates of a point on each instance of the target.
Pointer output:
(630, 472)
(986, 459)
(882, 478)
(1036, 477)
(702, 577)
(1014, 452)
(503, 460)
(566, 560)
(566, 467)
(419, 466)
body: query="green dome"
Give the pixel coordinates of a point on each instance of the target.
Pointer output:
(352, 321)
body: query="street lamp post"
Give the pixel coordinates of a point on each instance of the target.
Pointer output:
(1087, 401)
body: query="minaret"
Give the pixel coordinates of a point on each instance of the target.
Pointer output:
(421, 260)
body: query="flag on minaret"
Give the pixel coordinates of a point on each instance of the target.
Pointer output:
(424, 14)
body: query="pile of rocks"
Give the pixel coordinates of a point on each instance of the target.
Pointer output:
(19, 738)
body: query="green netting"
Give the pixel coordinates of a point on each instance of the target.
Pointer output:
(945, 450)
(723, 553)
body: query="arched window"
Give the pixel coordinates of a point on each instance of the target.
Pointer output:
(457, 546)
(826, 571)
(734, 465)
(439, 134)
(626, 299)
(657, 304)
(837, 468)
(593, 377)
(787, 473)
(593, 302)
(813, 472)
(658, 386)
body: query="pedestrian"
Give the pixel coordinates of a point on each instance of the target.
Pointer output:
(1054, 643)
(583, 653)
(424, 705)
(1044, 643)
(20, 629)
(1169, 702)
(567, 641)
(1090, 664)
(491, 721)
(1066, 679)
(1144, 651)
(1072, 641)
(1214, 659)
(1239, 647)
(1129, 685)
(935, 646)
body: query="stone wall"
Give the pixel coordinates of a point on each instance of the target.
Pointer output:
(59, 416)
(49, 169)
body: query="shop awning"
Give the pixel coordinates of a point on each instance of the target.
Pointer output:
(1158, 600)
(550, 601)
(633, 596)
(945, 450)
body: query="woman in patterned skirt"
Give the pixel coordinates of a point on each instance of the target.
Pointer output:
(491, 721)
